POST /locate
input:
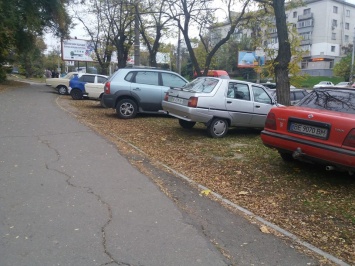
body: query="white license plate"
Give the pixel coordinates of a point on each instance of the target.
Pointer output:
(177, 100)
(309, 130)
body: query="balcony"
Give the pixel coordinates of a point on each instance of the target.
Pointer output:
(304, 17)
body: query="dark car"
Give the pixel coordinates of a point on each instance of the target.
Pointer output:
(295, 95)
(319, 129)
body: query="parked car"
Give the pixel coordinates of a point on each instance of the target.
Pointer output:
(295, 95)
(323, 84)
(319, 129)
(219, 104)
(139, 90)
(61, 84)
(343, 84)
(77, 85)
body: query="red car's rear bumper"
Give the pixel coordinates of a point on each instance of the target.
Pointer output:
(310, 150)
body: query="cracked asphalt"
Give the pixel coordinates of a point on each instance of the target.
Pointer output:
(68, 197)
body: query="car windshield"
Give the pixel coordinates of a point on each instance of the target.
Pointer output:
(334, 100)
(203, 84)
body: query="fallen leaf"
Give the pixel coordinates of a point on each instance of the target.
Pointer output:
(206, 192)
(264, 229)
(243, 193)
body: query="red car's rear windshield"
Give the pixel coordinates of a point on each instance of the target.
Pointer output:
(330, 99)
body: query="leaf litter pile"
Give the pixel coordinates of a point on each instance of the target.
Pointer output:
(316, 205)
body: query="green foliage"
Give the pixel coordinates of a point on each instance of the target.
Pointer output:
(22, 21)
(342, 68)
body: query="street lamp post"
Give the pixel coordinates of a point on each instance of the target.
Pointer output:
(352, 60)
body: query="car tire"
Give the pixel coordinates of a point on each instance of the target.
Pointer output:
(76, 94)
(218, 128)
(126, 109)
(62, 90)
(186, 124)
(287, 157)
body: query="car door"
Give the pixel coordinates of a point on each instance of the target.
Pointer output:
(145, 87)
(238, 103)
(262, 103)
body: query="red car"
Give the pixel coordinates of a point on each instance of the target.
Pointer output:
(319, 129)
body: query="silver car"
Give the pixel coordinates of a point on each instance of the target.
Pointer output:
(219, 104)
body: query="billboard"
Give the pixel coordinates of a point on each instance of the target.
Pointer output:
(77, 50)
(249, 59)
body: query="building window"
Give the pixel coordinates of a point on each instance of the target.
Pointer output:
(304, 64)
(306, 35)
(307, 11)
(335, 9)
(305, 23)
(332, 48)
(295, 14)
(347, 26)
(334, 23)
(331, 64)
(334, 36)
(346, 38)
(348, 13)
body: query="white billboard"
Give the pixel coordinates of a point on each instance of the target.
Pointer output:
(77, 50)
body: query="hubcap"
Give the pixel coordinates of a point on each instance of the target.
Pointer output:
(126, 109)
(219, 128)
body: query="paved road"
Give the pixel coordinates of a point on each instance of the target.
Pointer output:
(67, 197)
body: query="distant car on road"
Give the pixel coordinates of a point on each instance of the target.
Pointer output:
(219, 104)
(343, 84)
(61, 84)
(323, 84)
(319, 129)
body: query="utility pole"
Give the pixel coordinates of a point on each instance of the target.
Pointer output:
(178, 61)
(352, 61)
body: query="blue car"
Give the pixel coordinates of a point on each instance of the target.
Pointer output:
(77, 84)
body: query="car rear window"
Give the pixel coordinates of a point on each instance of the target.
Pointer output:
(202, 85)
(334, 100)
(172, 80)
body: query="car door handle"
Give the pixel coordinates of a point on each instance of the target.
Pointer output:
(137, 89)
(257, 106)
(229, 101)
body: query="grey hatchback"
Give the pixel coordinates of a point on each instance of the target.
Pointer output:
(139, 90)
(219, 104)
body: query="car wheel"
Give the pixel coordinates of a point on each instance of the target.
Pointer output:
(76, 94)
(287, 157)
(126, 109)
(218, 128)
(62, 90)
(186, 124)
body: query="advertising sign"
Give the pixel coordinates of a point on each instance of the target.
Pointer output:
(249, 59)
(77, 50)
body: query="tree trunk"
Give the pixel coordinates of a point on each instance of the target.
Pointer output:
(283, 58)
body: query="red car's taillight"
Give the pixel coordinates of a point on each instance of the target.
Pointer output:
(350, 139)
(192, 102)
(270, 122)
(107, 87)
(166, 96)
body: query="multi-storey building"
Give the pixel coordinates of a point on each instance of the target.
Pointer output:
(326, 26)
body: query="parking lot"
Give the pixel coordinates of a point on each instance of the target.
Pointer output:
(312, 203)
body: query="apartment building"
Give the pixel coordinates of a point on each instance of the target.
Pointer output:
(326, 26)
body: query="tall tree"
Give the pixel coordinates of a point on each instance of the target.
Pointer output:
(24, 20)
(283, 57)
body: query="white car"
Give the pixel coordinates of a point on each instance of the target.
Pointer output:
(79, 87)
(219, 104)
(61, 84)
(323, 84)
(343, 84)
